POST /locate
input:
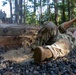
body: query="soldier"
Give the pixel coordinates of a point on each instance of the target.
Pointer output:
(53, 41)
(4, 16)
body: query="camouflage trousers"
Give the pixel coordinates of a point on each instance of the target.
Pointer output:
(60, 46)
(58, 39)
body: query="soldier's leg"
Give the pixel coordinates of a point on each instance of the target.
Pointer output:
(58, 49)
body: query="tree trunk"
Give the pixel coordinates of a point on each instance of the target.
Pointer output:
(16, 11)
(34, 6)
(24, 12)
(40, 11)
(56, 11)
(48, 9)
(63, 12)
(10, 11)
(20, 11)
(72, 9)
(69, 17)
(35, 10)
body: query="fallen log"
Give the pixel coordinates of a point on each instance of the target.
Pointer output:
(13, 41)
(9, 31)
(16, 35)
(15, 30)
(9, 35)
(10, 41)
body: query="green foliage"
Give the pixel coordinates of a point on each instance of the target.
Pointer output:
(32, 17)
(50, 16)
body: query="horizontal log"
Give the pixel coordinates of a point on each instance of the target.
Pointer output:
(15, 30)
(10, 41)
(12, 31)
(11, 35)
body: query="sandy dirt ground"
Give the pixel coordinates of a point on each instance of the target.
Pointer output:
(19, 55)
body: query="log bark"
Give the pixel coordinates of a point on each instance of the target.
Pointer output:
(10, 41)
(15, 30)
(15, 35)
(12, 31)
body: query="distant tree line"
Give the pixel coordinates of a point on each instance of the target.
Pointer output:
(57, 11)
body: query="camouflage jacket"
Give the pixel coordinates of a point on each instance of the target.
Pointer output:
(50, 36)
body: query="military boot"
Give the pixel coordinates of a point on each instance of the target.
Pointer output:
(41, 54)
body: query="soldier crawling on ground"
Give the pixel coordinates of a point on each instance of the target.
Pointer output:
(53, 41)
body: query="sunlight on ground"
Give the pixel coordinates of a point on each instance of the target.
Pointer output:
(20, 55)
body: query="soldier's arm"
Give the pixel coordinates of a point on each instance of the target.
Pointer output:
(68, 24)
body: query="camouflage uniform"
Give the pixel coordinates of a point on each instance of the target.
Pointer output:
(45, 35)
(67, 40)
(50, 36)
